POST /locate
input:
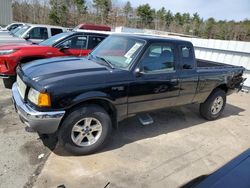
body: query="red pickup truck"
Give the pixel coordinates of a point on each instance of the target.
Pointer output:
(64, 44)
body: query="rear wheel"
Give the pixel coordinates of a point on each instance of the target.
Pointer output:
(212, 108)
(8, 82)
(85, 130)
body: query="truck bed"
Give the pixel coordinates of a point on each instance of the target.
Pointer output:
(211, 64)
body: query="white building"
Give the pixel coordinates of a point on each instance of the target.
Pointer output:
(5, 12)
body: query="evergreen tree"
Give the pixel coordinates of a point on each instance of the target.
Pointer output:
(54, 15)
(59, 12)
(103, 8)
(81, 6)
(146, 14)
(169, 18)
(178, 19)
(127, 9)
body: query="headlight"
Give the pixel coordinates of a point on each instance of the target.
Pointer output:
(39, 99)
(6, 52)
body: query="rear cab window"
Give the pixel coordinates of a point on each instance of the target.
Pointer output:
(94, 41)
(187, 57)
(55, 31)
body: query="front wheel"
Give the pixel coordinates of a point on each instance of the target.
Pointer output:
(212, 108)
(85, 130)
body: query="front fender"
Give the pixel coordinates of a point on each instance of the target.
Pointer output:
(92, 95)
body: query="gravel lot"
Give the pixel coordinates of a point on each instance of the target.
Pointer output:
(177, 148)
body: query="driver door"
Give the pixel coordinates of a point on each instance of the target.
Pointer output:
(74, 46)
(157, 85)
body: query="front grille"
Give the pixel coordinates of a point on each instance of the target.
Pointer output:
(21, 86)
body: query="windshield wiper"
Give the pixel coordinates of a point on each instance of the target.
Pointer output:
(105, 60)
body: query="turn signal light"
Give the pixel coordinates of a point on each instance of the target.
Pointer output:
(44, 100)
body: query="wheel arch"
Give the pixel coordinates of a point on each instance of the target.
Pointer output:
(223, 87)
(105, 103)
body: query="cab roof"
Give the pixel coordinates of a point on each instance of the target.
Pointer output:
(88, 33)
(152, 38)
(43, 25)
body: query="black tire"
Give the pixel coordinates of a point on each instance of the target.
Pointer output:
(8, 82)
(206, 107)
(89, 111)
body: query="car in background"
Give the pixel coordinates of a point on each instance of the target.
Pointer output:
(32, 33)
(234, 174)
(11, 27)
(64, 44)
(88, 26)
(9, 33)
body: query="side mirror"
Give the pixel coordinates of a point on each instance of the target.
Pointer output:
(63, 48)
(139, 72)
(27, 37)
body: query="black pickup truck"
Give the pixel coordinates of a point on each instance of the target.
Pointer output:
(83, 99)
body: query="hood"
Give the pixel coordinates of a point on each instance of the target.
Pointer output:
(11, 40)
(15, 46)
(61, 71)
(5, 33)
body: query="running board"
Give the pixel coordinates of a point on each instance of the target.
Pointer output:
(145, 119)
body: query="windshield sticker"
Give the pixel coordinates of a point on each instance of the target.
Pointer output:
(128, 60)
(133, 50)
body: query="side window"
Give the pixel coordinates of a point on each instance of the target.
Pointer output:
(55, 31)
(187, 59)
(94, 41)
(39, 33)
(76, 42)
(158, 58)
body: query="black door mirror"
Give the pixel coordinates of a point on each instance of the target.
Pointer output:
(139, 72)
(63, 48)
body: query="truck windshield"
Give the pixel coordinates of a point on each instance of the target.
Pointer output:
(15, 30)
(119, 51)
(21, 31)
(56, 38)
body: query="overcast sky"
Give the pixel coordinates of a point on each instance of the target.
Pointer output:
(219, 9)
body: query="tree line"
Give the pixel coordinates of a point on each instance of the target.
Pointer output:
(70, 13)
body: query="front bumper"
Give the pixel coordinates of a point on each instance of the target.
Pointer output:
(4, 76)
(41, 122)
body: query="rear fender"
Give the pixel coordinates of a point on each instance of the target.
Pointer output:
(236, 82)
